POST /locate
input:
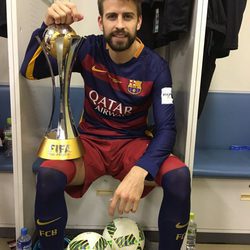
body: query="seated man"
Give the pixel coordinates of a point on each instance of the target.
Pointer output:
(123, 78)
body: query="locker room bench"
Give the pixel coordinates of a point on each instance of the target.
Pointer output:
(225, 121)
(5, 163)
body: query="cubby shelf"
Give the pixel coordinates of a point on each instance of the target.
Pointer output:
(6, 164)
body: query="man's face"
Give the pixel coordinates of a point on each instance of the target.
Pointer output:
(119, 23)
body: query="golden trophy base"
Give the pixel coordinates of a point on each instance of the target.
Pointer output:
(60, 149)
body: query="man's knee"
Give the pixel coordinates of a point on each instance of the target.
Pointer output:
(50, 182)
(177, 182)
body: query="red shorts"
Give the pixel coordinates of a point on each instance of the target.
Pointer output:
(116, 158)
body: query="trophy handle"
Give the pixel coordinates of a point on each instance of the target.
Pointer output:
(53, 82)
(61, 127)
(65, 66)
(71, 57)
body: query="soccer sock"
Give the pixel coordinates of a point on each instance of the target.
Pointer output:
(50, 208)
(175, 209)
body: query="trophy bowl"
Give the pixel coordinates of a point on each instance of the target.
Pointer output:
(52, 33)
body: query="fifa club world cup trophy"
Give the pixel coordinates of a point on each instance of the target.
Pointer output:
(61, 141)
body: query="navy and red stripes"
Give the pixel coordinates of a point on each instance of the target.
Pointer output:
(118, 96)
(117, 82)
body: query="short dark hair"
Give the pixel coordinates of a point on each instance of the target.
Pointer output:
(137, 3)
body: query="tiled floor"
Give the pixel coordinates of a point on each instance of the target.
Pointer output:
(153, 246)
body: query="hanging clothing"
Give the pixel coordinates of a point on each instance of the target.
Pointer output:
(3, 19)
(164, 21)
(224, 20)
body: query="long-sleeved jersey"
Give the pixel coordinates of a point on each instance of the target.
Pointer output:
(118, 96)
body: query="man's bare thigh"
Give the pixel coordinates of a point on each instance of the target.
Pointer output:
(80, 173)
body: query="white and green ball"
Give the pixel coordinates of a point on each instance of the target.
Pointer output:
(89, 241)
(124, 234)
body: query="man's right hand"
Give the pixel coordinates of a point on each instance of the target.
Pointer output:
(62, 12)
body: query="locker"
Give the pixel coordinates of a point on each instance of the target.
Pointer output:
(30, 115)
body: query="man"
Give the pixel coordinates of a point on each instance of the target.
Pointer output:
(123, 78)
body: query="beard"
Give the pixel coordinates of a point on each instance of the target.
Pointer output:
(119, 46)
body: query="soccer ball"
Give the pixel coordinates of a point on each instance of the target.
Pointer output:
(124, 234)
(88, 241)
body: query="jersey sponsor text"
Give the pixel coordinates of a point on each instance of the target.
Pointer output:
(107, 106)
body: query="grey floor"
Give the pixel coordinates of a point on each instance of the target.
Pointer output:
(153, 246)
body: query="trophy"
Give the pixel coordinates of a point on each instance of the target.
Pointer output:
(61, 140)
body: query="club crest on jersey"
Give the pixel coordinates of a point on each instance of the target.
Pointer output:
(134, 87)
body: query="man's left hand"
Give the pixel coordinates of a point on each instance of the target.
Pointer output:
(127, 195)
